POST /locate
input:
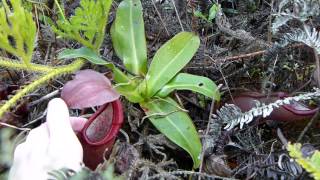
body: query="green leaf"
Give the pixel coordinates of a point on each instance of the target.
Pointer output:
(128, 36)
(176, 125)
(191, 82)
(170, 59)
(82, 52)
(87, 25)
(130, 91)
(94, 58)
(119, 76)
(213, 11)
(199, 14)
(17, 30)
(310, 164)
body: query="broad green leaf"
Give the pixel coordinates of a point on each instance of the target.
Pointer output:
(82, 52)
(176, 125)
(87, 25)
(128, 36)
(170, 59)
(94, 58)
(191, 82)
(17, 30)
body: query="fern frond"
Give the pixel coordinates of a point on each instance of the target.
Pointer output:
(309, 36)
(232, 115)
(281, 20)
(12, 64)
(17, 31)
(310, 164)
(87, 25)
(304, 9)
(37, 83)
(300, 10)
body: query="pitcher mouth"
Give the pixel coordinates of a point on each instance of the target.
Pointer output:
(297, 107)
(102, 127)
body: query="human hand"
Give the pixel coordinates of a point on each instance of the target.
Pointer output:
(51, 146)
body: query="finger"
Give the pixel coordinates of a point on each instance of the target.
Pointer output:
(64, 148)
(77, 123)
(33, 150)
(37, 140)
(58, 120)
(20, 153)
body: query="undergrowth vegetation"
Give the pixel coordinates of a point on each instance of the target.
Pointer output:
(253, 66)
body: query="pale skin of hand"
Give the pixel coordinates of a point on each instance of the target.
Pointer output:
(51, 146)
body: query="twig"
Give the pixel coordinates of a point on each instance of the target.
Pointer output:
(190, 101)
(269, 39)
(226, 82)
(14, 127)
(37, 119)
(241, 56)
(314, 118)
(44, 98)
(124, 133)
(158, 176)
(193, 19)
(317, 66)
(159, 115)
(248, 55)
(176, 10)
(283, 140)
(179, 99)
(209, 129)
(163, 23)
(206, 134)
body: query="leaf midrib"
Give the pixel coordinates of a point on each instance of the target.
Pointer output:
(135, 61)
(169, 64)
(170, 87)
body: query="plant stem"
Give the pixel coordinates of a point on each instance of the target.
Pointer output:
(47, 77)
(310, 123)
(84, 42)
(210, 119)
(8, 63)
(316, 56)
(60, 10)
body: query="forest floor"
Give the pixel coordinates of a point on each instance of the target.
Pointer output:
(236, 53)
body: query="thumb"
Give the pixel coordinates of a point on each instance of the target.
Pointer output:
(58, 120)
(64, 147)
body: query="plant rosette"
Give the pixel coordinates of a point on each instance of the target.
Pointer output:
(97, 136)
(152, 86)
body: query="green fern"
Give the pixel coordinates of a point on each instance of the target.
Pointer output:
(17, 37)
(310, 164)
(87, 26)
(17, 31)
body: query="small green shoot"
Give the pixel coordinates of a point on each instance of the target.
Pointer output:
(208, 17)
(310, 164)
